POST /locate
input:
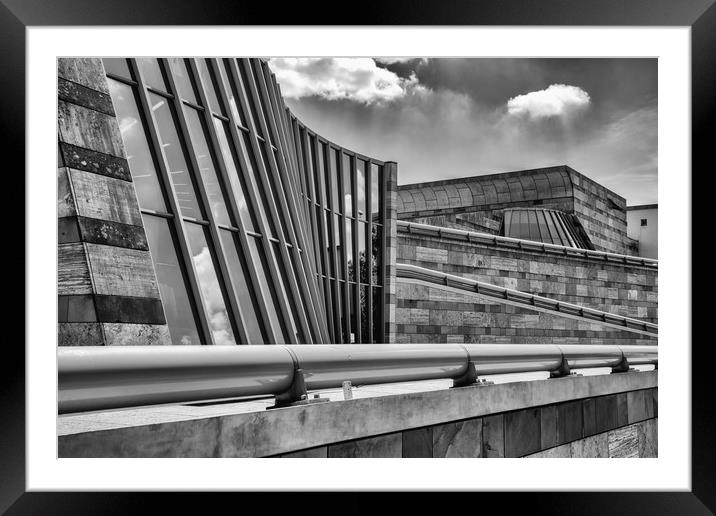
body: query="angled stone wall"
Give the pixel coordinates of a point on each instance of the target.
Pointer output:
(107, 289)
(434, 314)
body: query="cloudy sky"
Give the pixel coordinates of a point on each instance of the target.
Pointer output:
(447, 118)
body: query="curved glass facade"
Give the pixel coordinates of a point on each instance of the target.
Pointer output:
(542, 225)
(260, 230)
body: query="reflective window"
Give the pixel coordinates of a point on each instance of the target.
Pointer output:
(363, 260)
(347, 186)
(207, 170)
(320, 170)
(378, 315)
(534, 228)
(180, 72)
(335, 172)
(349, 250)
(207, 80)
(174, 154)
(139, 157)
(242, 290)
(364, 330)
(257, 256)
(360, 192)
(231, 163)
(172, 284)
(338, 246)
(376, 248)
(152, 73)
(117, 66)
(247, 87)
(214, 303)
(232, 93)
(375, 190)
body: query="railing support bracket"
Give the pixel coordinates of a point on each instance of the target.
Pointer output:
(296, 394)
(469, 378)
(562, 371)
(623, 366)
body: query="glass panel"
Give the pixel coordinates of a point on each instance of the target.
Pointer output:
(214, 303)
(117, 66)
(282, 283)
(376, 249)
(349, 249)
(139, 157)
(272, 188)
(328, 229)
(338, 309)
(524, 229)
(377, 315)
(253, 172)
(364, 331)
(534, 228)
(506, 222)
(360, 193)
(559, 229)
(247, 87)
(180, 72)
(337, 244)
(232, 93)
(345, 315)
(363, 262)
(257, 256)
(172, 282)
(317, 236)
(209, 85)
(320, 171)
(174, 155)
(151, 73)
(544, 232)
(206, 166)
(335, 177)
(347, 186)
(237, 182)
(375, 191)
(242, 291)
(354, 321)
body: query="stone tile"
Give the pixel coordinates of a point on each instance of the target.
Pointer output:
(89, 129)
(86, 71)
(320, 452)
(522, 432)
(126, 334)
(637, 405)
(106, 198)
(558, 452)
(647, 433)
(548, 426)
(595, 446)
(606, 413)
(589, 417)
(493, 436)
(73, 274)
(623, 442)
(458, 439)
(381, 446)
(79, 334)
(122, 272)
(569, 421)
(622, 412)
(418, 442)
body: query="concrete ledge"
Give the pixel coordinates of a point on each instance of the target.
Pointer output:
(274, 432)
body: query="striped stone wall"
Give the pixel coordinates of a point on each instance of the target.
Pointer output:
(107, 289)
(391, 249)
(434, 314)
(621, 425)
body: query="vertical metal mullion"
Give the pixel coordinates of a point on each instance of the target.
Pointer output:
(271, 259)
(369, 245)
(356, 228)
(384, 247)
(183, 242)
(256, 301)
(285, 261)
(276, 124)
(215, 241)
(344, 242)
(246, 183)
(328, 171)
(299, 288)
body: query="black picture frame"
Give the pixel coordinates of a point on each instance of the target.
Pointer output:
(17, 15)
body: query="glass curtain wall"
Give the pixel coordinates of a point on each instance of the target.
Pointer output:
(260, 231)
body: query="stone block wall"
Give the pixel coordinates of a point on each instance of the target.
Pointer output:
(391, 249)
(107, 288)
(602, 214)
(621, 425)
(435, 314)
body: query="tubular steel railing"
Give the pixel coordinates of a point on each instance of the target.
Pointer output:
(100, 378)
(526, 245)
(525, 300)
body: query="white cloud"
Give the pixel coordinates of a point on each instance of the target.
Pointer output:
(357, 79)
(557, 100)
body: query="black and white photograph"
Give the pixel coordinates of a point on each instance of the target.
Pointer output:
(353, 257)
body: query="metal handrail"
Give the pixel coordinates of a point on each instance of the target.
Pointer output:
(416, 228)
(100, 378)
(524, 299)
